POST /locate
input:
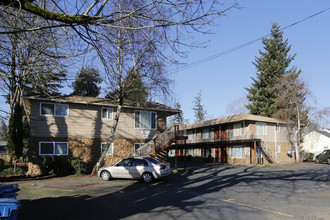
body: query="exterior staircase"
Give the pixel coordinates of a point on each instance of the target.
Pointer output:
(157, 146)
(269, 156)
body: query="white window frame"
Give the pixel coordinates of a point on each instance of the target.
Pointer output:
(238, 154)
(152, 126)
(206, 134)
(261, 128)
(109, 117)
(111, 147)
(139, 145)
(54, 109)
(54, 144)
(278, 148)
(237, 129)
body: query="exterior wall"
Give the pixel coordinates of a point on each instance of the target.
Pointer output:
(88, 149)
(273, 137)
(85, 130)
(85, 121)
(315, 143)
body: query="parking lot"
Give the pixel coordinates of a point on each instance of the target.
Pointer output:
(212, 191)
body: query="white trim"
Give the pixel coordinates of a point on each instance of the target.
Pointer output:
(54, 109)
(111, 147)
(150, 112)
(54, 142)
(111, 118)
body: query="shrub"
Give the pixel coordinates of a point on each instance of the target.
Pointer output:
(78, 165)
(308, 157)
(10, 171)
(56, 165)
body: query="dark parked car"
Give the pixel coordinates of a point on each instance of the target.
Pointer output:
(323, 157)
(145, 168)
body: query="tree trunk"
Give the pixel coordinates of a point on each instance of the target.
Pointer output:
(110, 140)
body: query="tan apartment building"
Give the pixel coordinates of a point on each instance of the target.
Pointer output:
(79, 127)
(237, 139)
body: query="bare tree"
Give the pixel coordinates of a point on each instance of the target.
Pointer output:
(26, 57)
(237, 106)
(142, 36)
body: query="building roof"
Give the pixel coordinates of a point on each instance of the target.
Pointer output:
(105, 102)
(236, 118)
(325, 133)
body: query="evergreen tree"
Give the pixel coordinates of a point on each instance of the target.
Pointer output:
(178, 119)
(3, 131)
(271, 65)
(15, 135)
(86, 83)
(199, 108)
(134, 88)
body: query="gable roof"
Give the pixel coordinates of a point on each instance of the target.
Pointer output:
(236, 118)
(325, 133)
(153, 106)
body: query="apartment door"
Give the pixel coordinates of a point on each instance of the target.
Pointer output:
(223, 155)
(223, 133)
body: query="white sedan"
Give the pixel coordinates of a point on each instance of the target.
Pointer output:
(145, 168)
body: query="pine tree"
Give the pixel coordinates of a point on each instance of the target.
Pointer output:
(86, 83)
(199, 111)
(178, 119)
(134, 88)
(271, 65)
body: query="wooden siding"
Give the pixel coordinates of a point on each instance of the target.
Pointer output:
(85, 121)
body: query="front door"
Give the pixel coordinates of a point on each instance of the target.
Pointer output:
(223, 155)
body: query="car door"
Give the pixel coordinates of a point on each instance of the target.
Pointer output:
(138, 168)
(122, 169)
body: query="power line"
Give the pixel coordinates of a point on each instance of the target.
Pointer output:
(204, 60)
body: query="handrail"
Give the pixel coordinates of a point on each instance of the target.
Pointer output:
(156, 143)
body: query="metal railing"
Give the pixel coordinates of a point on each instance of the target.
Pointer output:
(268, 154)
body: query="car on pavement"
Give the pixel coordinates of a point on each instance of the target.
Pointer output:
(323, 157)
(145, 168)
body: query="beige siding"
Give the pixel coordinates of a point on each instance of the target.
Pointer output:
(85, 121)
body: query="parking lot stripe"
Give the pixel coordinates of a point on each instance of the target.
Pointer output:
(254, 207)
(322, 185)
(56, 189)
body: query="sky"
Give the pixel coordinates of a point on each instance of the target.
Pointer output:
(224, 79)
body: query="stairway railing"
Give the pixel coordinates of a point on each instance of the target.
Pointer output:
(269, 156)
(156, 143)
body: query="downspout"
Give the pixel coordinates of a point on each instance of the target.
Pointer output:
(276, 140)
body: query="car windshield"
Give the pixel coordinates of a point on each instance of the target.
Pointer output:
(154, 161)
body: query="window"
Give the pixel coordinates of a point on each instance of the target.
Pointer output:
(107, 113)
(206, 133)
(104, 146)
(205, 152)
(190, 152)
(237, 129)
(261, 128)
(53, 148)
(60, 110)
(277, 127)
(190, 135)
(145, 120)
(293, 148)
(237, 152)
(140, 162)
(278, 149)
(137, 146)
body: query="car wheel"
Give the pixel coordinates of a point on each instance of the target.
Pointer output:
(147, 177)
(105, 175)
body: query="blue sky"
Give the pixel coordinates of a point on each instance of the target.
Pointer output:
(224, 79)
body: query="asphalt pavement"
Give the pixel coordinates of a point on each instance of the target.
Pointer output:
(203, 191)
